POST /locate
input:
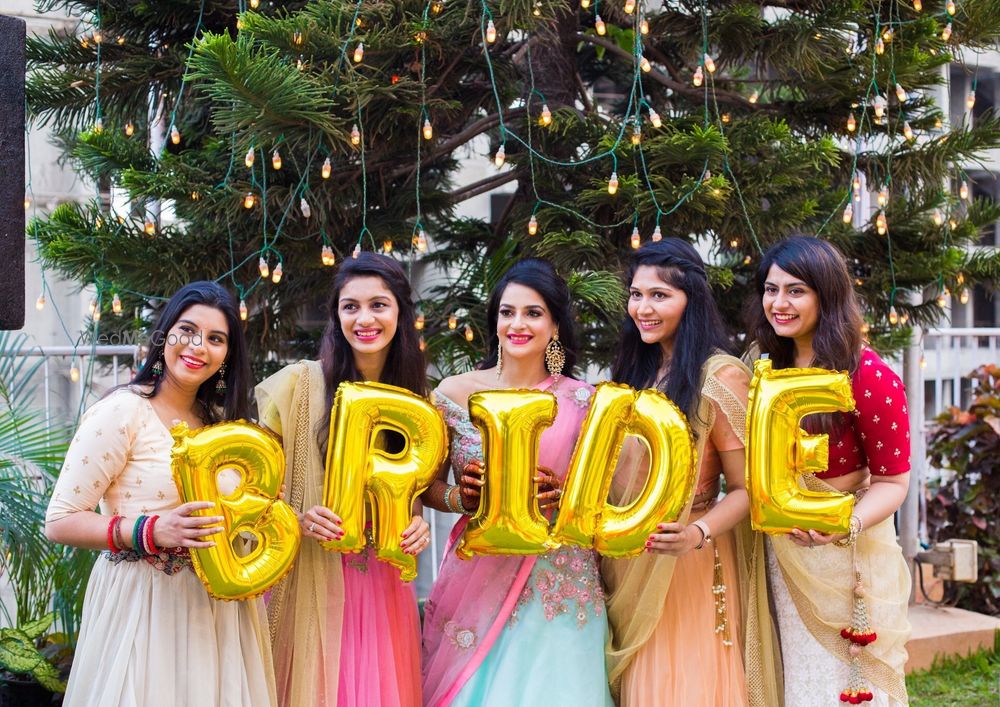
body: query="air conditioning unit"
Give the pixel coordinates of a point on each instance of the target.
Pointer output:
(953, 560)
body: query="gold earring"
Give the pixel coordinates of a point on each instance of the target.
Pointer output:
(499, 359)
(555, 356)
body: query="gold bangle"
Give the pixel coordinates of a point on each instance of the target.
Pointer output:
(854, 530)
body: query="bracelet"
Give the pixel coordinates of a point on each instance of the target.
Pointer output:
(705, 532)
(447, 498)
(854, 530)
(137, 534)
(113, 533)
(147, 538)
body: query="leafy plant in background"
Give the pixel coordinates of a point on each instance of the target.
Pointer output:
(965, 503)
(19, 653)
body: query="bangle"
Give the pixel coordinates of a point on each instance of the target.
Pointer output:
(118, 534)
(147, 538)
(137, 534)
(705, 532)
(112, 530)
(447, 499)
(854, 530)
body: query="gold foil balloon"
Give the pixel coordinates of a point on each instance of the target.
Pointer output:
(358, 470)
(252, 508)
(508, 520)
(585, 517)
(779, 451)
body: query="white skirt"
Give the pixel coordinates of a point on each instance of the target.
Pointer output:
(148, 638)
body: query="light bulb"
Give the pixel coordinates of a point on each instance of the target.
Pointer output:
(243, 310)
(635, 240)
(941, 300)
(355, 135)
(938, 124)
(725, 117)
(963, 296)
(500, 156)
(452, 321)
(881, 224)
(359, 52)
(326, 169)
(879, 105)
(297, 38)
(657, 234)
(387, 246)
(74, 372)
(848, 213)
(263, 268)
(923, 359)
(655, 119)
(97, 315)
(27, 203)
(421, 344)
(599, 26)
(120, 40)
(698, 77)
(946, 33)
(149, 227)
(963, 191)
(643, 26)
(852, 124)
(98, 36)
(613, 184)
(428, 129)
(950, 7)
(960, 279)
(276, 275)
(879, 46)
(901, 94)
(532, 225)
(418, 323)
(917, 5)
(175, 135)
(883, 196)
(437, 6)
(327, 257)
(865, 327)
(629, 7)
(276, 159)
(536, 10)
(636, 136)
(755, 96)
(893, 315)
(747, 260)
(248, 200)
(299, 64)
(356, 252)
(40, 302)
(306, 209)
(129, 129)
(116, 305)
(469, 336)
(644, 64)
(937, 217)
(422, 241)
(546, 118)
(907, 131)
(254, 4)
(904, 317)
(491, 32)
(584, 4)
(249, 157)
(970, 100)
(709, 63)
(195, 196)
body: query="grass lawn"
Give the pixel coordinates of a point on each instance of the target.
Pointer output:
(972, 682)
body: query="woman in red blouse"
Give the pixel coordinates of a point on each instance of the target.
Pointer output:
(839, 600)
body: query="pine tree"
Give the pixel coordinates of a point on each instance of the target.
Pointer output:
(735, 123)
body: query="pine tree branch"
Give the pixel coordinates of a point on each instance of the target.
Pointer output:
(483, 186)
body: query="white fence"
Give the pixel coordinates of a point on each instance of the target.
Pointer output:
(950, 355)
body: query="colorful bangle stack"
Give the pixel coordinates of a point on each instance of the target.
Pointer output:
(114, 537)
(447, 499)
(142, 535)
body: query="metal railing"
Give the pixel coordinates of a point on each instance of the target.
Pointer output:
(949, 355)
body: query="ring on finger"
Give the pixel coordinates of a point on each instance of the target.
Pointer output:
(312, 526)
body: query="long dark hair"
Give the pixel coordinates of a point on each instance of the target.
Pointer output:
(837, 339)
(701, 332)
(234, 404)
(404, 366)
(541, 276)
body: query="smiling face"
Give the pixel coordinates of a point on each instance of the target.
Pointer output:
(524, 323)
(368, 313)
(655, 306)
(196, 346)
(790, 305)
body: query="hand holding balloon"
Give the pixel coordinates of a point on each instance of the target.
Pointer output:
(471, 482)
(322, 524)
(549, 489)
(416, 537)
(675, 539)
(179, 528)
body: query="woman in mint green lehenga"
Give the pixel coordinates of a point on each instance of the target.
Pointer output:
(509, 629)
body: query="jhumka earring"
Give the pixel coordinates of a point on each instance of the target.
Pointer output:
(157, 371)
(499, 360)
(220, 385)
(555, 356)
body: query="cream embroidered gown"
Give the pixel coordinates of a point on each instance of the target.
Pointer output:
(151, 635)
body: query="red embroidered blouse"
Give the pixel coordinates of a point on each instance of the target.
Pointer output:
(878, 435)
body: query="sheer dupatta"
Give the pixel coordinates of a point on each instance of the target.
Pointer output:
(472, 600)
(636, 588)
(306, 609)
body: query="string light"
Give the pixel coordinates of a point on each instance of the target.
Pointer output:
(946, 33)
(963, 191)
(887, 34)
(918, 5)
(879, 46)
(422, 241)
(644, 64)
(276, 159)
(901, 94)
(881, 224)
(963, 296)
(129, 129)
(747, 260)
(150, 227)
(536, 9)
(249, 158)
(92, 306)
(644, 26)
(248, 200)
(418, 323)
(500, 156)
(904, 317)
(428, 129)
(306, 209)
(937, 123)
(263, 268)
(848, 213)
(276, 275)
(879, 104)
(937, 217)
(40, 302)
(421, 344)
(709, 64)
(359, 52)
(326, 169)
(893, 315)
(175, 135)
(698, 77)
(120, 40)
(584, 4)
(532, 225)
(99, 125)
(97, 315)
(636, 136)
(98, 36)
(491, 32)
(599, 25)
(635, 240)
(27, 203)
(254, 4)
(452, 321)
(852, 124)
(195, 196)
(865, 327)
(883, 195)
(923, 359)
(437, 6)
(116, 305)
(950, 7)
(546, 118)
(907, 130)
(613, 184)
(297, 38)
(657, 234)
(970, 100)
(356, 252)
(74, 372)
(655, 119)
(327, 257)
(469, 336)
(754, 97)
(355, 135)
(960, 279)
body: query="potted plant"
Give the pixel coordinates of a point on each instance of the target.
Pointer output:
(28, 678)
